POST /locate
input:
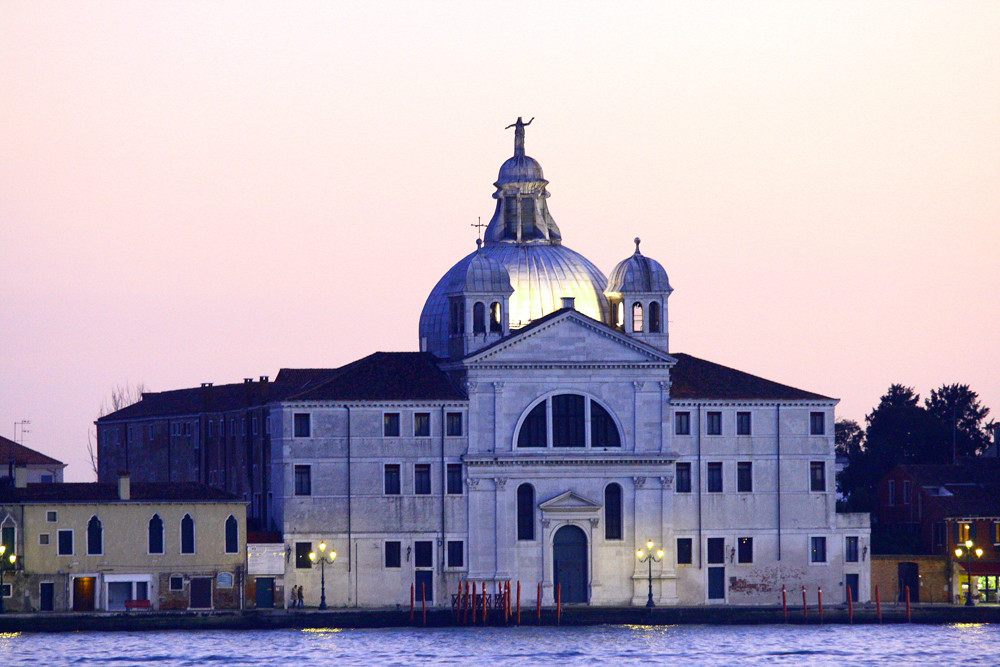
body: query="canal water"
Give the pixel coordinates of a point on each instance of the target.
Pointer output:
(967, 644)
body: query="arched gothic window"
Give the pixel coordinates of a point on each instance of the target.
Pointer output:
(612, 512)
(95, 537)
(187, 535)
(637, 317)
(478, 318)
(457, 317)
(496, 317)
(654, 317)
(156, 535)
(568, 420)
(525, 512)
(232, 535)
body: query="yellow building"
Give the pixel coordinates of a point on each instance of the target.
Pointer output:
(94, 546)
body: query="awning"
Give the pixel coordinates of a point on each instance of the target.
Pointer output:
(981, 568)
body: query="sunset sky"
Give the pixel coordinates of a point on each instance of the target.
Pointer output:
(207, 191)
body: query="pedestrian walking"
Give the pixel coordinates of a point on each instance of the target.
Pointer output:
(301, 600)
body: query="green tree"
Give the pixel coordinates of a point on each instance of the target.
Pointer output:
(958, 421)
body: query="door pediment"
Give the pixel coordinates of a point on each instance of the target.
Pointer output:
(570, 502)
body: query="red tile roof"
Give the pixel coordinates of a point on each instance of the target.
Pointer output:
(21, 455)
(97, 492)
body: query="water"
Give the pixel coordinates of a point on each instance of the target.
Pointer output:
(971, 644)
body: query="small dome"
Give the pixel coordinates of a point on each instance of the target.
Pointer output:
(520, 169)
(638, 273)
(483, 273)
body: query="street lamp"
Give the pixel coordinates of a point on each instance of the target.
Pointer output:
(322, 557)
(968, 567)
(649, 557)
(12, 559)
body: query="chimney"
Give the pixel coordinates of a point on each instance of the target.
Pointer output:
(124, 486)
(20, 477)
(263, 378)
(569, 302)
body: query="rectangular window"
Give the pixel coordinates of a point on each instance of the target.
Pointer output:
(51, 516)
(390, 425)
(65, 545)
(8, 539)
(817, 551)
(176, 583)
(43, 539)
(851, 549)
(456, 553)
(422, 479)
(892, 493)
(683, 550)
(744, 550)
(963, 533)
(303, 424)
(392, 554)
(682, 423)
(996, 532)
(423, 554)
(716, 552)
(454, 423)
(303, 480)
(817, 423)
(255, 425)
(713, 423)
(744, 477)
(817, 476)
(715, 477)
(421, 424)
(938, 532)
(6, 591)
(454, 478)
(391, 477)
(906, 492)
(683, 478)
(302, 551)
(742, 423)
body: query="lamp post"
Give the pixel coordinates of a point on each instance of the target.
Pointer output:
(649, 557)
(968, 567)
(322, 558)
(12, 559)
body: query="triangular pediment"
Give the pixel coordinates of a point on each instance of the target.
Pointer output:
(569, 337)
(569, 501)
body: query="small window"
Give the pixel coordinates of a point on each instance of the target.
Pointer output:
(713, 423)
(682, 423)
(392, 554)
(478, 318)
(892, 492)
(683, 478)
(496, 317)
(423, 554)
(939, 533)
(715, 477)
(155, 543)
(525, 512)
(637, 317)
(454, 486)
(303, 480)
(225, 580)
(6, 591)
(744, 550)
(422, 424)
(454, 423)
(817, 423)
(612, 512)
(303, 425)
(232, 535)
(851, 549)
(744, 477)
(65, 545)
(176, 583)
(391, 477)
(716, 551)
(187, 534)
(390, 425)
(43, 539)
(817, 552)
(817, 476)
(742, 423)
(654, 317)
(906, 492)
(255, 425)
(51, 516)
(456, 553)
(996, 533)
(684, 551)
(95, 537)
(422, 479)
(302, 551)
(964, 533)
(47, 479)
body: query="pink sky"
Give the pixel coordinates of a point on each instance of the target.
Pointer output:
(195, 192)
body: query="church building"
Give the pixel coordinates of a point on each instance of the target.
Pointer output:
(544, 433)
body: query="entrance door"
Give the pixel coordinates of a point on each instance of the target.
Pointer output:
(265, 592)
(46, 594)
(569, 563)
(853, 581)
(201, 593)
(118, 593)
(424, 588)
(909, 575)
(716, 554)
(83, 593)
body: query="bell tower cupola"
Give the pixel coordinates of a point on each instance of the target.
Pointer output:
(637, 292)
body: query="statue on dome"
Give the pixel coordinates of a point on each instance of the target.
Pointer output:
(519, 134)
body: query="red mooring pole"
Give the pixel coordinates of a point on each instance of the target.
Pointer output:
(411, 603)
(878, 604)
(820, 596)
(423, 600)
(805, 607)
(519, 602)
(908, 619)
(784, 602)
(484, 603)
(475, 609)
(558, 604)
(850, 606)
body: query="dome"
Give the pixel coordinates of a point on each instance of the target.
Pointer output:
(483, 274)
(638, 273)
(520, 169)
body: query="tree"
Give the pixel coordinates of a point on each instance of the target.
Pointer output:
(122, 396)
(958, 420)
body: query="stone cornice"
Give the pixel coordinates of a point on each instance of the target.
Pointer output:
(474, 461)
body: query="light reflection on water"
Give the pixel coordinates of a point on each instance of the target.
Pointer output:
(490, 647)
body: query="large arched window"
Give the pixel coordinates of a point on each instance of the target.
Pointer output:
(496, 317)
(612, 512)
(478, 318)
(654, 317)
(568, 420)
(232, 535)
(637, 317)
(525, 512)
(187, 535)
(95, 537)
(156, 535)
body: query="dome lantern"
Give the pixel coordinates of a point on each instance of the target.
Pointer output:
(637, 292)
